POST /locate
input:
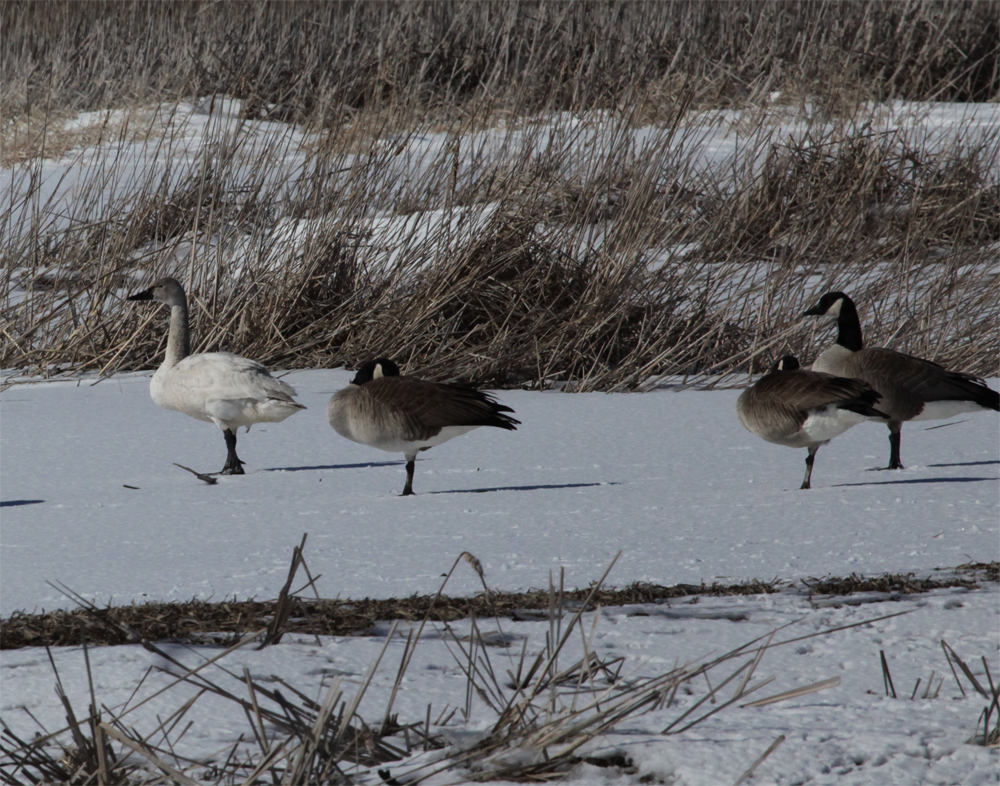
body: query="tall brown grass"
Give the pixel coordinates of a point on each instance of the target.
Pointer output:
(325, 61)
(561, 230)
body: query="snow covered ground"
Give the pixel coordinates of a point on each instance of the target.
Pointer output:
(91, 499)
(668, 478)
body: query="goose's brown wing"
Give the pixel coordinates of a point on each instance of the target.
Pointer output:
(779, 404)
(804, 390)
(907, 382)
(427, 407)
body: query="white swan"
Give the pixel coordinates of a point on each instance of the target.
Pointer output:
(218, 387)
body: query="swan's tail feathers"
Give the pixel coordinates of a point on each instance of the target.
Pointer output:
(284, 397)
(287, 400)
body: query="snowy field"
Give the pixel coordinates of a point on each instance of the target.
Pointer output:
(667, 478)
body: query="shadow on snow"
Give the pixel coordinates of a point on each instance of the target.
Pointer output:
(523, 488)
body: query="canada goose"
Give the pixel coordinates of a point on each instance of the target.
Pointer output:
(911, 388)
(406, 415)
(804, 409)
(225, 389)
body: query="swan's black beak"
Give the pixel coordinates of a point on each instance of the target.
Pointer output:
(146, 294)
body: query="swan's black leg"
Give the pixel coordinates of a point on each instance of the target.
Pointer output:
(233, 464)
(408, 489)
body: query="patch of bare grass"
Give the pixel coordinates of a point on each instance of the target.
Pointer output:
(229, 620)
(634, 269)
(325, 62)
(53, 134)
(547, 706)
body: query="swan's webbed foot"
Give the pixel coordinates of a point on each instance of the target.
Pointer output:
(234, 466)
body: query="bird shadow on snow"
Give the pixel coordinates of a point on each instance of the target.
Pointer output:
(524, 488)
(12, 503)
(967, 464)
(336, 466)
(916, 480)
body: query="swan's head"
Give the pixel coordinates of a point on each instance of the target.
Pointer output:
(373, 369)
(166, 290)
(829, 305)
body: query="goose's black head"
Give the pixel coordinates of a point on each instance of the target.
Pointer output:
(373, 369)
(786, 363)
(829, 305)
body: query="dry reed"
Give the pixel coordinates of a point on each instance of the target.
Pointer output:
(522, 245)
(546, 710)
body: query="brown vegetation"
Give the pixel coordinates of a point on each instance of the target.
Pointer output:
(198, 620)
(545, 708)
(323, 62)
(568, 251)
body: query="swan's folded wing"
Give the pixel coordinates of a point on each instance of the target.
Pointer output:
(225, 377)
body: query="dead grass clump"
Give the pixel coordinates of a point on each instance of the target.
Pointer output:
(547, 705)
(488, 307)
(646, 270)
(161, 217)
(198, 620)
(958, 201)
(894, 583)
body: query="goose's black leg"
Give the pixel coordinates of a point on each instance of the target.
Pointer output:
(894, 435)
(408, 489)
(809, 467)
(233, 464)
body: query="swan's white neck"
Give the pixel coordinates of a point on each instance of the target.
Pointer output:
(178, 339)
